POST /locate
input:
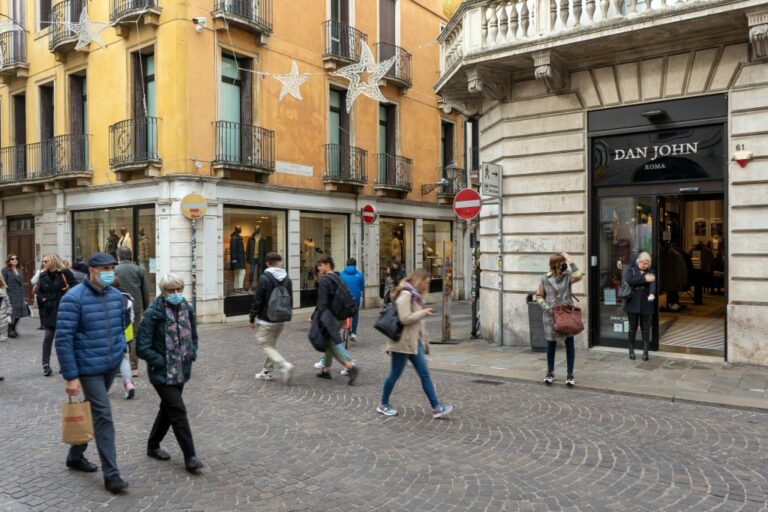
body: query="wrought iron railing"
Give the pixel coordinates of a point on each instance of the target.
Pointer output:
(121, 8)
(345, 164)
(63, 15)
(394, 171)
(246, 145)
(134, 141)
(255, 11)
(62, 155)
(342, 41)
(453, 184)
(13, 45)
(401, 69)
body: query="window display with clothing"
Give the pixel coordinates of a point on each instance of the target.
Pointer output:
(258, 246)
(237, 257)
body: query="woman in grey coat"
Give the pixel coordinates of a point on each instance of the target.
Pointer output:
(555, 289)
(13, 274)
(640, 306)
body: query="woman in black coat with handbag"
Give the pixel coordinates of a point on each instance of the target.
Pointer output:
(13, 273)
(640, 305)
(54, 282)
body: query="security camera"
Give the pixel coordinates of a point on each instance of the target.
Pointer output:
(199, 22)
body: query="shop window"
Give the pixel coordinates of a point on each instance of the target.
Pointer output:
(395, 243)
(321, 235)
(437, 249)
(107, 230)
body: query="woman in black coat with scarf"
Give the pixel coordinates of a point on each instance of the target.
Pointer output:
(54, 282)
(13, 273)
(640, 306)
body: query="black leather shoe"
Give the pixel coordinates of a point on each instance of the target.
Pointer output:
(354, 371)
(83, 465)
(324, 375)
(193, 464)
(47, 372)
(115, 485)
(158, 453)
(12, 334)
(645, 357)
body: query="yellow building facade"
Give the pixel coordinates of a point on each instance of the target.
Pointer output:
(100, 144)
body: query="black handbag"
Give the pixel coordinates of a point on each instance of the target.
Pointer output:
(389, 324)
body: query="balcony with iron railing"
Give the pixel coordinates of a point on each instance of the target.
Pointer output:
(13, 49)
(244, 150)
(64, 14)
(61, 159)
(454, 180)
(133, 146)
(251, 15)
(345, 166)
(545, 38)
(342, 44)
(394, 175)
(127, 14)
(400, 72)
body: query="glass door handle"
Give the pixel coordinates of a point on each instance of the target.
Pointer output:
(593, 261)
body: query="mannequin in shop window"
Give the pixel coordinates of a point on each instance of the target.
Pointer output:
(143, 249)
(396, 247)
(125, 239)
(237, 258)
(702, 258)
(308, 251)
(673, 275)
(255, 254)
(110, 247)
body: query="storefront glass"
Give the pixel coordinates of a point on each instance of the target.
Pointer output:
(249, 235)
(395, 242)
(321, 235)
(108, 229)
(437, 249)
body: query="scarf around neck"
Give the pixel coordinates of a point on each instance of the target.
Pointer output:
(416, 295)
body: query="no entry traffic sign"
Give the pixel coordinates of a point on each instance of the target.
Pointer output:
(467, 204)
(369, 214)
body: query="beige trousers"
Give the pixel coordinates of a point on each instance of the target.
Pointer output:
(266, 337)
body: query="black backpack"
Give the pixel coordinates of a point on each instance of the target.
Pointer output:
(280, 304)
(342, 303)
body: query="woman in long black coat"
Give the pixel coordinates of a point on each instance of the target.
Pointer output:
(13, 274)
(640, 306)
(54, 282)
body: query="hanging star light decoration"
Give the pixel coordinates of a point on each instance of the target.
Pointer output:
(87, 31)
(354, 73)
(9, 26)
(292, 82)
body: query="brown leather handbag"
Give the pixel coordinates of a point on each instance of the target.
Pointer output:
(567, 319)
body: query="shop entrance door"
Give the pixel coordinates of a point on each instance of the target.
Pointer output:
(21, 242)
(685, 236)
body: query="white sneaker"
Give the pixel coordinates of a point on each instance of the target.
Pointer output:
(344, 372)
(264, 375)
(353, 338)
(286, 374)
(319, 364)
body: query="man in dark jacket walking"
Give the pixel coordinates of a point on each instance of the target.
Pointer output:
(90, 341)
(355, 282)
(133, 281)
(269, 329)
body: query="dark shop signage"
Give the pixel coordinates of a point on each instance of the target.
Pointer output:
(682, 154)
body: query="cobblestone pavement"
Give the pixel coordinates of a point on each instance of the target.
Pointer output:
(319, 445)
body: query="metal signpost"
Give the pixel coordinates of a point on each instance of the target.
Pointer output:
(193, 207)
(490, 185)
(368, 216)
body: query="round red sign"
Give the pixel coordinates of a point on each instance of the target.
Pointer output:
(369, 214)
(467, 204)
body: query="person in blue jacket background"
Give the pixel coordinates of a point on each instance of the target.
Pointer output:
(90, 341)
(355, 282)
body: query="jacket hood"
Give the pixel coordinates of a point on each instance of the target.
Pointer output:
(278, 273)
(351, 270)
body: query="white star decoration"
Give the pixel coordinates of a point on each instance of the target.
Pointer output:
(9, 26)
(291, 82)
(375, 71)
(88, 31)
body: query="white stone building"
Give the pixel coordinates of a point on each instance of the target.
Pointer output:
(618, 126)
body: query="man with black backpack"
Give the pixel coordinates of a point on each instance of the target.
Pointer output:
(334, 305)
(272, 307)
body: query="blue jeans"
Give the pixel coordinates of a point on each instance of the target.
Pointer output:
(399, 360)
(95, 390)
(570, 354)
(335, 350)
(354, 322)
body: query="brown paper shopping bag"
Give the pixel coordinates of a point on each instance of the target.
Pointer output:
(76, 422)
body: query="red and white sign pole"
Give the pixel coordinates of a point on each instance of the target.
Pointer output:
(367, 217)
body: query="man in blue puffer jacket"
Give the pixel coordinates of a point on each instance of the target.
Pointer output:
(90, 341)
(355, 282)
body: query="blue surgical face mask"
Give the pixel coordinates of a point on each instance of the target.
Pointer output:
(174, 298)
(107, 278)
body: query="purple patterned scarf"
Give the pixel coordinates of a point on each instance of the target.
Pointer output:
(416, 295)
(178, 342)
